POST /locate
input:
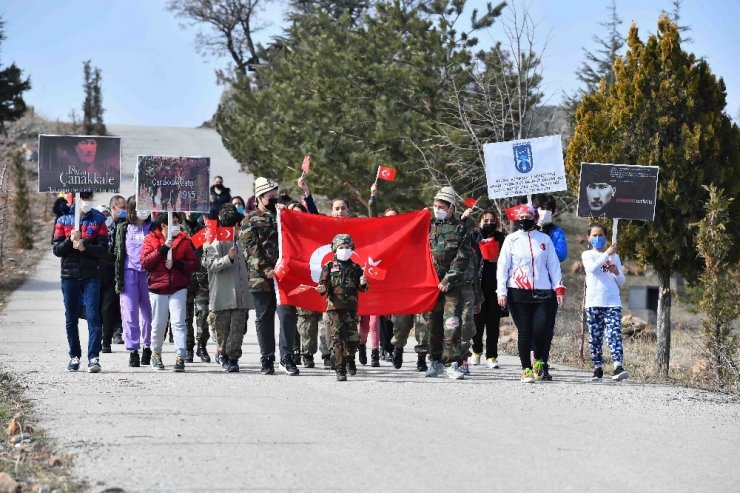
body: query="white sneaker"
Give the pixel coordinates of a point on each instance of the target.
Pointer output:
(94, 365)
(476, 359)
(491, 363)
(436, 369)
(453, 372)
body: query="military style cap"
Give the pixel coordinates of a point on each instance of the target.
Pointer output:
(447, 194)
(263, 185)
(342, 239)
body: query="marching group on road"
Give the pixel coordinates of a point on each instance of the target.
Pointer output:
(133, 273)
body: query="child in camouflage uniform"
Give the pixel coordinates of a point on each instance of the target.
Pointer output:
(342, 280)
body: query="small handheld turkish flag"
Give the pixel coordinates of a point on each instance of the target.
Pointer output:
(470, 203)
(198, 238)
(281, 270)
(302, 288)
(386, 173)
(374, 272)
(225, 234)
(306, 163)
(211, 230)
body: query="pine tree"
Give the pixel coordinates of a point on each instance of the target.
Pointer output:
(97, 102)
(12, 87)
(92, 106)
(599, 65)
(22, 225)
(665, 109)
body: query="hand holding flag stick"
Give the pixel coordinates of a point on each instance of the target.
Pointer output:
(305, 167)
(470, 203)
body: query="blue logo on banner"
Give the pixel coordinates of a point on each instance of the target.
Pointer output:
(523, 157)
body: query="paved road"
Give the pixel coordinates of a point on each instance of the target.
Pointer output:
(384, 430)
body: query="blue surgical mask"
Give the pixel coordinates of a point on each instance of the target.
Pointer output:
(121, 214)
(240, 209)
(598, 242)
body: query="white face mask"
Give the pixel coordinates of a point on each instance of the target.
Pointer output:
(85, 206)
(175, 230)
(142, 215)
(440, 214)
(545, 217)
(343, 254)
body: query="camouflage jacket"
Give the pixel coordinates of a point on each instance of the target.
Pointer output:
(451, 250)
(342, 281)
(259, 239)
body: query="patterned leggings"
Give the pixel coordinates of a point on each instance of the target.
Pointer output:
(598, 320)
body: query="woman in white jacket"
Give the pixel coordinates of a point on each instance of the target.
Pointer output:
(528, 275)
(604, 277)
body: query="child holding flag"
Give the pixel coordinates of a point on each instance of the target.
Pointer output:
(342, 280)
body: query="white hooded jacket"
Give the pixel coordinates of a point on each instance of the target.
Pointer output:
(528, 261)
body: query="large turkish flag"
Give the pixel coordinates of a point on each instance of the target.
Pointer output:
(405, 281)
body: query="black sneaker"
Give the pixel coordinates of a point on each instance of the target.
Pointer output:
(421, 362)
(225, 364)
(327, 362)
(362, 355)
(74, 364)
(268, 367)
(620, 374)
(598, 375)
(106, 349)
(133, 359)
(308, 361)
(94, 365)
(179, 365)
(202, 353)
(117, 339)
(146, 356)
(398, 358)
(351, 367)
(341, 376)
(375, 358)
(233, 366)
(289, 366)
(189, 357)
(546, 377)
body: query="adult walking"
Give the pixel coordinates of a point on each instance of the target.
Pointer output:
(80, 252)
(527, 277)
(259, 238)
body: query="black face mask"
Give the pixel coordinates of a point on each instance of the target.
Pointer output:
(487, 229)
(271, 204)
(523, 224)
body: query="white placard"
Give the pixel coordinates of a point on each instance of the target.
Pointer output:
(524, 167)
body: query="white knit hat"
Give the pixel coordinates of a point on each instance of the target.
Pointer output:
(447, 194)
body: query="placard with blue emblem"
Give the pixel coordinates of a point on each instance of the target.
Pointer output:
(524, 167)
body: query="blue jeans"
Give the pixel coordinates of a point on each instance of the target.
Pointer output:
(77, 293)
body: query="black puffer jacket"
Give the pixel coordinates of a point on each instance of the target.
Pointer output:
(76, 264)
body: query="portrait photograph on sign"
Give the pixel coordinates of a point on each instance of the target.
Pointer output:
(524, 167)
(79, 163)
(618, 191)
(174, 184)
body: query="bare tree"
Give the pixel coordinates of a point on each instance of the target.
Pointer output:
(496, 103)
(232, 26)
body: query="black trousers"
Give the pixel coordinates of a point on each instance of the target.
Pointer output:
(110, 312)
(386, 334)
(488, 320)
(532, 320)
(265, 307)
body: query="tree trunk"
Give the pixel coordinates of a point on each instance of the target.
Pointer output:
(663, 329)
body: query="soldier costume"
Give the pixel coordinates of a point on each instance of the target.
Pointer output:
(259, 239)
(342, 280)
(451, 252)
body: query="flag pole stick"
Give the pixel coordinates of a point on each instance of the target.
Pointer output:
(614, 231)
(77, 211)
(169, 233)
(377, 174)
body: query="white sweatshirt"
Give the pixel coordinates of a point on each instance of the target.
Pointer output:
(602, 287)
(528, 261)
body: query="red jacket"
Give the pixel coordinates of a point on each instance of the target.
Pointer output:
(153, 256)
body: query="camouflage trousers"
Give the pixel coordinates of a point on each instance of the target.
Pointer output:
(467, 331)
(230, 327)
(308, 330)
(445, 328)
(198, 310)
(342, 325)
(402, 328)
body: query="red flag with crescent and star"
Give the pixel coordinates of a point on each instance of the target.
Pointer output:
(386, 173)
(393, 252)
